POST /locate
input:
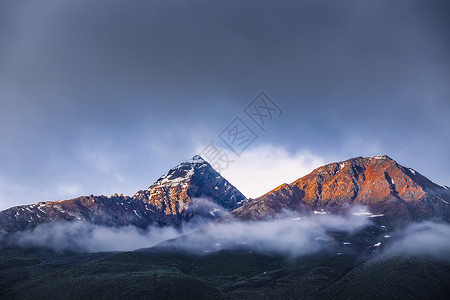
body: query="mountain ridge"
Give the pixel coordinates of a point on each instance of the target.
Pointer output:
(394, 193)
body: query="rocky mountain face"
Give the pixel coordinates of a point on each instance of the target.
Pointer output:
(192, 188)
(393, 193)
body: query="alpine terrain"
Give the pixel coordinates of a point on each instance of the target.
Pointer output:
(364, 228)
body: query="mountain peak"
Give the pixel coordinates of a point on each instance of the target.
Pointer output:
(196, 159)
(368, 159)
(182, 173)
(387, 188)
(384, 156)
(354, 165)
(175, 192)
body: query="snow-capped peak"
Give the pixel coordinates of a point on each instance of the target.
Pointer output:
(181, 174)
(378, 157)
(197, 159)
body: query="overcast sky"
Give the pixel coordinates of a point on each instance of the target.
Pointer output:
(105, 96)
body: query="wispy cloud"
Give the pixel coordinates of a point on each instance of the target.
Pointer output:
(428, 239)
(290, 235)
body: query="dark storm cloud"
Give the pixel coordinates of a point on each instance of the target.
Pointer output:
(103, 96)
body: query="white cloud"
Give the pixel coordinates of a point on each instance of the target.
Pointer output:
(262, 168)
(428, 239)
(289, 235)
